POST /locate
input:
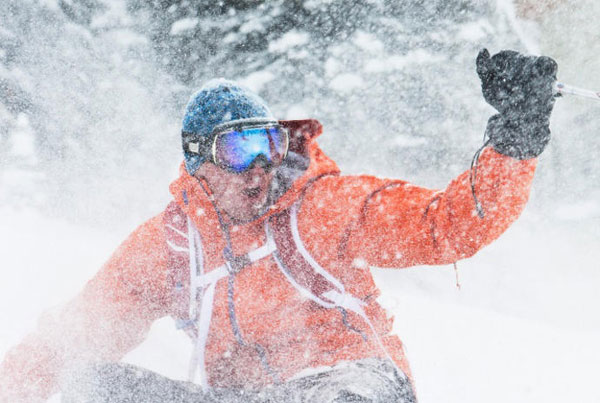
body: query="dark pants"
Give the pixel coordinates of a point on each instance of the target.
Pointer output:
(370, 380)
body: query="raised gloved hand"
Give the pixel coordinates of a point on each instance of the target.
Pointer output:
(521, 89)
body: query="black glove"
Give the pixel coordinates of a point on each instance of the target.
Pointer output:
(521, 89)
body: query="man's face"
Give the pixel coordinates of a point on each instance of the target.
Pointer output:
(242, 196)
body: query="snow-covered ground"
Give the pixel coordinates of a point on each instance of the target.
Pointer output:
(523, 328)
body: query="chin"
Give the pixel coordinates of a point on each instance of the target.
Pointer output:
(257, 211)
(252, 212)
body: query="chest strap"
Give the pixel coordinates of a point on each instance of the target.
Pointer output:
(234, 265)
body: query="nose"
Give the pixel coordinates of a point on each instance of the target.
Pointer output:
(262, 161)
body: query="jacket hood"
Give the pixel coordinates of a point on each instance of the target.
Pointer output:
(305, 163)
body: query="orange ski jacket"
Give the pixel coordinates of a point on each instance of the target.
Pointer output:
(347, 223)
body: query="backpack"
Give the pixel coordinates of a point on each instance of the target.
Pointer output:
(194, 285)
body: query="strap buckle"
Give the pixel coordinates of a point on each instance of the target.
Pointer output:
(235, 264)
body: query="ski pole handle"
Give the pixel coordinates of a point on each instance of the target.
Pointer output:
(565, 89)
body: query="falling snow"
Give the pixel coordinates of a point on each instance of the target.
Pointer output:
(91, 99)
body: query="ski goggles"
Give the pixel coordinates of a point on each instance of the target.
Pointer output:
(236, 146)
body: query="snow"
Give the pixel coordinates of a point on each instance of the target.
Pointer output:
(6, 33)
(368, 42)
(317, 3)
(526, 38)
(258, 80)
(477, 355)
(23, 140)
(586, 209)
(408, 141)
(184, 24)
(346, 82)
(332, 66)
(475, 31)
(45, 262)
(395, 62)
(296, 112)
(524, 325)
(230, 37)
(114, 15)
(252, 25)
(50, 4)
(289, 40)
(128, 38)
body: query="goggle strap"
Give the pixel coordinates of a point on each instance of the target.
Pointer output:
(241, 124)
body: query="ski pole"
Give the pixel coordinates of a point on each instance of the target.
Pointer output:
(561, 88)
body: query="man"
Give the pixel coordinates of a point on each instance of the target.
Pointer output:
(263, 258)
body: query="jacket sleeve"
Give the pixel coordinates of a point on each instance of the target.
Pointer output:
(390, 223)
(108, 318)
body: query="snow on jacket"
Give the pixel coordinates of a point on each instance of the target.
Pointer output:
(347, 223)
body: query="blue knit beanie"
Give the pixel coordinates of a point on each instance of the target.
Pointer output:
(219, 101)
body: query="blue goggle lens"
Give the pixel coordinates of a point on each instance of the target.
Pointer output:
(237, 149)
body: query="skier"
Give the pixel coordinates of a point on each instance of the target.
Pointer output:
(263, 258)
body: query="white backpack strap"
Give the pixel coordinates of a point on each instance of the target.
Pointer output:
(202, 292)
(333, 297)
(267, 249)
(307, 256)
(213, 276)
(202, 317)
(196, 266)
(178, 263)
(198, 362)
(296, 263)
(355, 305)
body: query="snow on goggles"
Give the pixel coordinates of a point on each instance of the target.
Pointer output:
(236, 146)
